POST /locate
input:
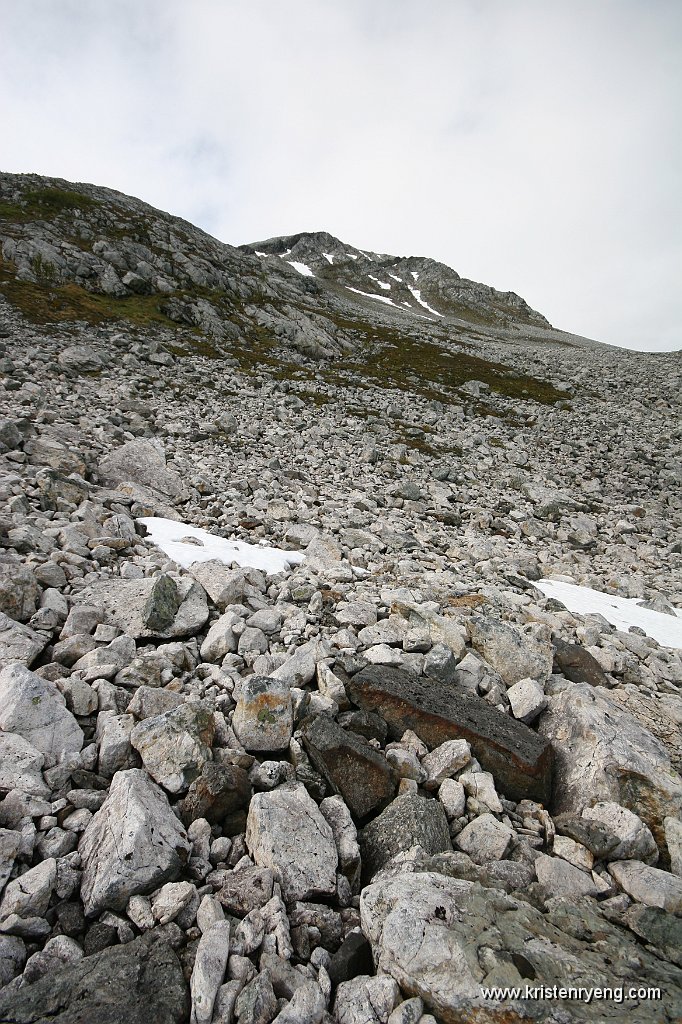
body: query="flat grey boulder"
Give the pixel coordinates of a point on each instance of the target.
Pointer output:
(137, 983)
(132, 845)
(410, 820)
(174, 746)
(141, 462)
(19, 643)
(286, 832)
(442, 939)
(651, 886)
(142, 608)
(34, 708)
(603, 754)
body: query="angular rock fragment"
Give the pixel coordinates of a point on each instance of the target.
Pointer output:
(139, 983)
(432, 935)
(35, 709)
(19, 643)
(246, 890)
(563, 879)
(651, 886)
(635, 839)
(485, 839)
(175, 745)
(133, 844)
(410, 820)
(513, 655)
(218, 792)
(520, 760)
(286, 832)
(355, 770)
(263, 718)
(603, 754)
(125, 603)
(20, 766)
(209, 970)
(577, 664)
(141, 462)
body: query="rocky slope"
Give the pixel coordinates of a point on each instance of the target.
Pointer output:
(368, 779)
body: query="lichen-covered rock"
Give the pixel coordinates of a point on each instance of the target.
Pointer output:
(434, 936)
(263, 718)
(139, 983)
(132, 605)
(175, 745)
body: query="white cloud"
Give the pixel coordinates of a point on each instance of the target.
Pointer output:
(532, 146)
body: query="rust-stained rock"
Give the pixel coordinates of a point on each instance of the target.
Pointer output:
(519, 759)
(263, 718)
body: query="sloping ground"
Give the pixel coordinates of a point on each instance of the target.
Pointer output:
(73, 252)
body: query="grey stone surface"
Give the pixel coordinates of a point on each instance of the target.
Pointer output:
(651, 886)
(142, 462)
(19, 643)
(356, 771)
(432, 934)
(410, 820)
(125, 604)
(485, 839)
(140, 983)
(133, 844)
(175, 745)
(34, 708)
(286, 832)
(603, 754)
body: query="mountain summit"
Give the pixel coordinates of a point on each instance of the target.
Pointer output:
(413, 283)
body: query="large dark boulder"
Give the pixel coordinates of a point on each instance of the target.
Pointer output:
(138, 983)
(354, 769)
(410, 820)
(519, 759)
(578, 665)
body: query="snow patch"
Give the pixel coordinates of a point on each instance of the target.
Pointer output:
(369, 295)
(621, 612)
(418, 296)
(187, 544)
(382, 284)
(329, 259)
(302, 268)
(415, 275)
(261, 253)
(352, 255)
(283, 254)
(398, 279)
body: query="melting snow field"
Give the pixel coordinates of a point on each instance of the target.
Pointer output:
(301, 267)
(368, 295)
(187, 544)
(621, 612)
(418, 296)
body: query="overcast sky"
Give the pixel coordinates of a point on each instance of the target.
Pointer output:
(530, 144)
